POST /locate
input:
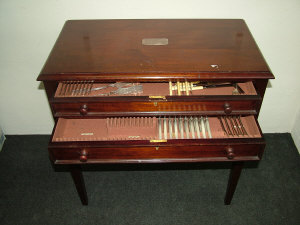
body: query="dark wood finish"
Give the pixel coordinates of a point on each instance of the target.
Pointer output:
(158, 153)
(209, 105)
(234, 176)
(162, 76)
(79, 184)
(114, 48)
(50, 88)
(198, 50)
(260, 86)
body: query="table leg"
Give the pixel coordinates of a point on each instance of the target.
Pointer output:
(79, 183)
(233, 180)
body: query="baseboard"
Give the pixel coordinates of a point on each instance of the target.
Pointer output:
(2, 139)
(296, 138)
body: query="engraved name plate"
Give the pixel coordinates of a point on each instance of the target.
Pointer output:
(155, 41)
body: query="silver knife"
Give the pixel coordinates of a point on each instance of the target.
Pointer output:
(203, 127)
(196, 125)
(186, 126)
(159, 129)
(208, 128)
(181, 127)
(170, 127)
(192, 127)
(175, 128)
(165, 128)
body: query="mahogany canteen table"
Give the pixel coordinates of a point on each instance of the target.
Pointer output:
(155, 91)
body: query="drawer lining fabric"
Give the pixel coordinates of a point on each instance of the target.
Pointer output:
(155, 128)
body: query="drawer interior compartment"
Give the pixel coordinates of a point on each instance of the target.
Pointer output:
(156, 128)
(94, 89)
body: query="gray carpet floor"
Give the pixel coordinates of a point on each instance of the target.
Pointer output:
(32, 193)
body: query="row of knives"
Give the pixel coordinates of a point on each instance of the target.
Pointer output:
(84, 88)
(129, 122)
(183, 127)
(76, 88)
(232, 126)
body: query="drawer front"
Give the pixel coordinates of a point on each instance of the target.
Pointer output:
(157, 154)
(165, 107)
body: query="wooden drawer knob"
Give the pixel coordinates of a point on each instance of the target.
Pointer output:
(230, 153)
(83, 156)
(83, 109)
(227, 108)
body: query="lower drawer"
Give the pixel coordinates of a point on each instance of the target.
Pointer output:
(157, 154)
(156, 140)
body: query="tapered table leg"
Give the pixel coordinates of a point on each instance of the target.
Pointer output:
(79, 183)
(233, 180)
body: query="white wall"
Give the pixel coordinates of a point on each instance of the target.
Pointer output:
(28, 30)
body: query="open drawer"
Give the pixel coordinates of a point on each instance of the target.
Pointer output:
(156, 139)
(73, 89)
(90, 99)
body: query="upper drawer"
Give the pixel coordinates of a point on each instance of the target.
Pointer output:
(96, 99)
(206, 106)
(75, 89)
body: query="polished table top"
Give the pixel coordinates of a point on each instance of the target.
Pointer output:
(193, 48)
